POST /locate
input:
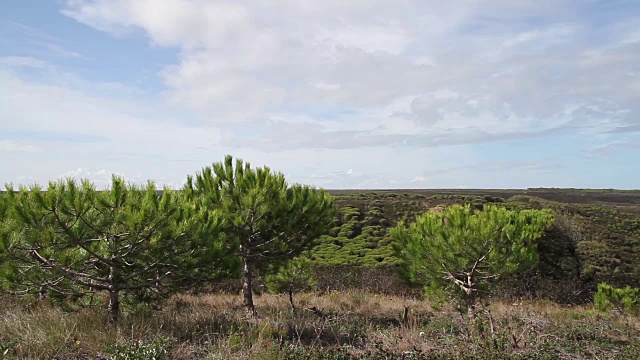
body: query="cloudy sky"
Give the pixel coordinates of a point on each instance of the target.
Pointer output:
(334, 93)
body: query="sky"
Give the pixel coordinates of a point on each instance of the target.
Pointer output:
(362, 94)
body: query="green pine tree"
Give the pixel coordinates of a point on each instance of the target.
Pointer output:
(269, 219)
(73, 240)
(461, 250)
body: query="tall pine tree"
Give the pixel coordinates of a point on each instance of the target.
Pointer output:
(270, 220)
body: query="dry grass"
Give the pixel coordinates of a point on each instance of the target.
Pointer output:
(333, 325)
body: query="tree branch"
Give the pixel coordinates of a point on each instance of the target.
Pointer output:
(72, 275)
(78, 241)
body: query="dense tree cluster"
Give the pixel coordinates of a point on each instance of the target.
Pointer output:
(72, 241)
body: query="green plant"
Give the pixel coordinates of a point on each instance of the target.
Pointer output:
(73, 241)
(461, 250)
(625, 299)
(294, 276)
(271, 220)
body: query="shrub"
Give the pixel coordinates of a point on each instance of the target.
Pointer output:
(294, 276)
(625, 299)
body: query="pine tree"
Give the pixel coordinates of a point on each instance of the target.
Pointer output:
(74, 240)
(269, 220)
(461, 250)
(294, 276)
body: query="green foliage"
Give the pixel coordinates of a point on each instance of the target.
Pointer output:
(5, 231)
(72, 241)
(603, 239)
(436, 295)
(295, 276)
(625, 299)
(463, 250)
(589, 243)
(361, 235)
(271, 220)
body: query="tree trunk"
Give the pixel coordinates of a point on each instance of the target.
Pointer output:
(114, 305)
(247, 288)
(293, 306)
(470, 291)
(114, 293)
(471, 304)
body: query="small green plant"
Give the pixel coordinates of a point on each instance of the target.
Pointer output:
(293, 277)
(140, 350)
(625, 299)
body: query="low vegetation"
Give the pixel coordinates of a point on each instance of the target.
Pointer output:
(330, 325)
(467, 274)
(593, 239)
(624, 300)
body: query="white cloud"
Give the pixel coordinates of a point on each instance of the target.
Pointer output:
(13, 146)
(244, 62)
(82, 131)
(323, 86)
(92, 137)
(369, 38)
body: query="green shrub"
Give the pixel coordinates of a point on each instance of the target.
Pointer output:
(294, 276)
(625, 299)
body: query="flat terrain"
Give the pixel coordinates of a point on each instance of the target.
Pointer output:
(330, 325)
(577, 196)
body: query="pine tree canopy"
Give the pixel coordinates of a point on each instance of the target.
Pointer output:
(463, 250)
(71, 240)
(270, 220)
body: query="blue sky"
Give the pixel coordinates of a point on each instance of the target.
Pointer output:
(338, 94)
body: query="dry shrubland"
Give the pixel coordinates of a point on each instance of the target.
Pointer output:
(329, 325)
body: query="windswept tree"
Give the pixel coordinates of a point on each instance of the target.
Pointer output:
(72, 239)
(461, 250)
(270, 220)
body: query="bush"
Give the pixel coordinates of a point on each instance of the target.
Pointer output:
(294, 276)
(625, 299)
